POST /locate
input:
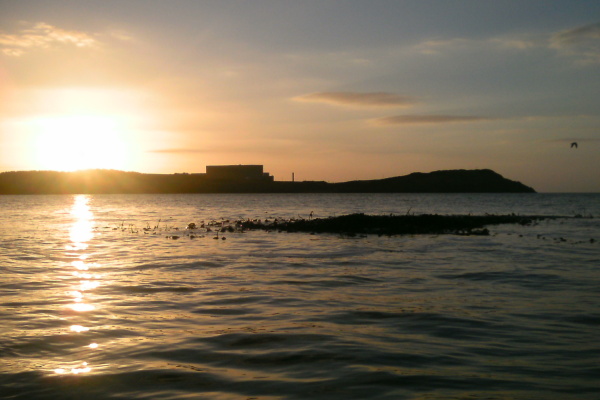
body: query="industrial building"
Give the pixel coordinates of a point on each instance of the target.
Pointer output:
(243, 173)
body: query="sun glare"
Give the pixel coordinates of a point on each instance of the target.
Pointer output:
(75, 142)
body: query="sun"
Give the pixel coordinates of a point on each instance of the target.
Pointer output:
(75, 142)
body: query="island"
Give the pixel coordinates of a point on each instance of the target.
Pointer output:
(248, 179)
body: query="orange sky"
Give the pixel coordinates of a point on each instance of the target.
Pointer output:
(330, 91)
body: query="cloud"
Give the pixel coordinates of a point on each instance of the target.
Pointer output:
(121, 35)
(427, 119)
(439, 45)
(44, 36)
(510, 42)
(576, 36)
(518, 43)
(582, 42)
(356, 99)
(250, 147)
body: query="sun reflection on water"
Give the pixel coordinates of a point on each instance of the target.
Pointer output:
(81, 307)
(79, 328)
(82, 230)
(77, 370)
(80, 265)
(89, 285)
(81, 233)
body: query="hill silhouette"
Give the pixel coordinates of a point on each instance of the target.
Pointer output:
(112, 181)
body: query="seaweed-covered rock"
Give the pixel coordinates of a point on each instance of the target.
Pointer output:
(394, 224)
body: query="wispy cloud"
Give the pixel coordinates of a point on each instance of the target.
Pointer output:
(514, 42)
(42, 35)
(508, 42)
(358, 99)
(438, 46)
(582, 42)
(427, 119)
(577, 35)
(121, 35)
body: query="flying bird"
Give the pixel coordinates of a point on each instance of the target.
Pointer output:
(574, 144)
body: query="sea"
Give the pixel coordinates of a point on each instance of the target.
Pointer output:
(111, 297)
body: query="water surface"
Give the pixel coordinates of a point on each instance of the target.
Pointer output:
(94, 306)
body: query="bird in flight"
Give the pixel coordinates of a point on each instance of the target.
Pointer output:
(574, 144)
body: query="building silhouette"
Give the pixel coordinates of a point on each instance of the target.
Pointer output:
(238, 173)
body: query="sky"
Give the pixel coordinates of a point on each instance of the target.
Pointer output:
(327, 90)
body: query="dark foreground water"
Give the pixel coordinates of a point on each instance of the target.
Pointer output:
(94, 306)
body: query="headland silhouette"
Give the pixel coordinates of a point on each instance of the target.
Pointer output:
(248, 179)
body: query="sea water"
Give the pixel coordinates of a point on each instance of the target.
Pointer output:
(98, 301)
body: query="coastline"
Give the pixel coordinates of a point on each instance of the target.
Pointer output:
(120, 182)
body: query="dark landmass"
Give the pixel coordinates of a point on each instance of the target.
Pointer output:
(111, 181)
(354, 224)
